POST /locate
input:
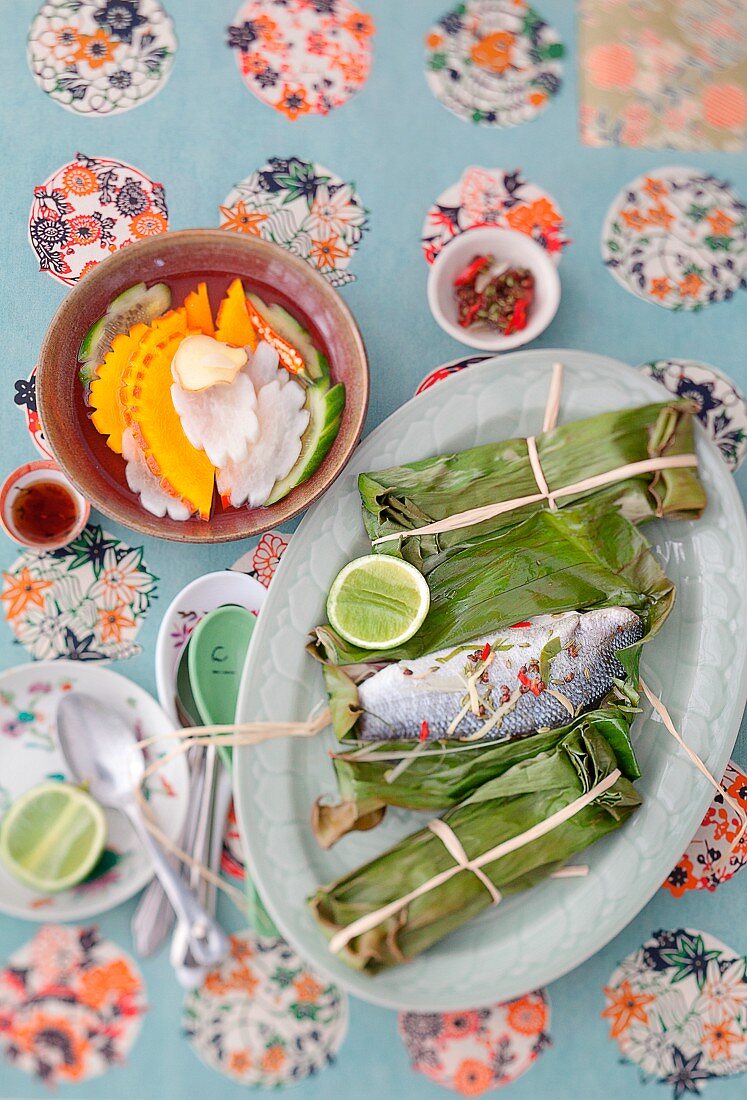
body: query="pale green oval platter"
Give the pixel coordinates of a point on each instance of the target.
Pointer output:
(698, 664)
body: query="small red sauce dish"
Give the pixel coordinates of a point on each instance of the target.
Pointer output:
(40, 509)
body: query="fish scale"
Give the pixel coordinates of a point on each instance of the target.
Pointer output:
(397, 700)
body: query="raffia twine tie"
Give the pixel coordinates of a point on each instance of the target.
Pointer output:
(461, 863)
(544, 494)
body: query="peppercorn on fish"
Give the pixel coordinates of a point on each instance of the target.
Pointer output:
(535, 675)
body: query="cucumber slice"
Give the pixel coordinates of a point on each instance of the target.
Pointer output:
(325, 407)
(136, 304)
(286, 325)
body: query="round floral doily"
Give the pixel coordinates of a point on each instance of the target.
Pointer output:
(493, 62)
(303, 207)
(101, 57)
(71, 1005)
(677, 238)
(25, 399)
(677, 1009)
(714, 855)
(473, 1052)
(302, 56)
(89, 208)
(85, 601)
(263, 1017)
(722, 409)
(492, 196)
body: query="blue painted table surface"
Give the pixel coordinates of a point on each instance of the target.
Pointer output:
(198, 136)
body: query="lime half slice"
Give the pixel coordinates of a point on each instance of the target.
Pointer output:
(52, 837)
(378, 602)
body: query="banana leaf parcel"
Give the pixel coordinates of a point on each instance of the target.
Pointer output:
(372, 776)
(577, 559)
(409, 496)
(506, 806)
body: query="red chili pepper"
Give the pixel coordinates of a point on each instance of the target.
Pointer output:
(517, 625)
(424, 731)
(469, 316)
(518, 319)
(470, 273)
(485, 652)
(535, 686)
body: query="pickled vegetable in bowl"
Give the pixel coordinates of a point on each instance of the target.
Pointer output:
(240, 398)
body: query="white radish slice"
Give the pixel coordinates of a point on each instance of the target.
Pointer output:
(143, 481)
(221, 421)
(262, 366)
(282, 422)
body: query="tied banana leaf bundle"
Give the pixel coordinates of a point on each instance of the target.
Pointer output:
(526, 794)
(440, 776)
(406, 497)
(577, 559)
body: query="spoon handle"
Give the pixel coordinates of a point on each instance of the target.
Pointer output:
(208, 942)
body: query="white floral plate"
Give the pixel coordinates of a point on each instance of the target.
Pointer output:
(534, 937)
(29, 754)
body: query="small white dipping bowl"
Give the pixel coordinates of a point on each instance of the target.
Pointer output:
(507, 246)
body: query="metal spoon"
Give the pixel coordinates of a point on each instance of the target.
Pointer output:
(153, 918)
(99, 747)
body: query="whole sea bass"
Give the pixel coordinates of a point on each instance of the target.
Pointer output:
(494, 687)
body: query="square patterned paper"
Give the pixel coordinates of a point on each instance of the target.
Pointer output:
(663, 75)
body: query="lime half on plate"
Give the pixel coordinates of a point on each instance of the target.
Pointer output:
(378, 602)
(52, 837)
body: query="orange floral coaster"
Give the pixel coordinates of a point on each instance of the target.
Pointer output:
(90, 208)
(263, 1017)
(475, 1051)
(302, 56)
(71, 1005)
(663, 75)
(677, 237)
(677, 1009)
(493, 62)
(303, 207)
(713, 856)
(493, 196)
(85, 601)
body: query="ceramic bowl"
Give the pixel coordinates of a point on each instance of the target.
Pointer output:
(185, 611)
(181, 259)
(23, 478)
(507, 246)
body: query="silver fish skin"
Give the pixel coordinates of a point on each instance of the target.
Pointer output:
(397, 700)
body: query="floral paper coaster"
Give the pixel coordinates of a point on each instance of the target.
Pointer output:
(713, 856)
(85, 601)
(677, 238)
(302, 56)
(677, 1009)
(723, 410)
(492, 196)
(303, 207)
(89, 208)
(100, 57)
(663, 75)
(473, 1052)
(71, 1005)
(264, 1018)
(493, 62)
(25, 398)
